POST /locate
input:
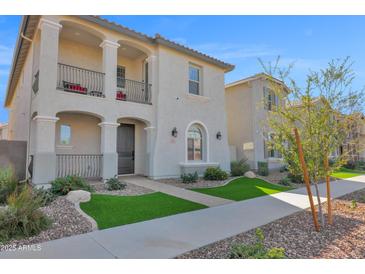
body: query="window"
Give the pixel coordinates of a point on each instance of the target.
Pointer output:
(194, 80)
(271, 100)
(269, 151)
(65, 135)
(195, 144)
(120, 77)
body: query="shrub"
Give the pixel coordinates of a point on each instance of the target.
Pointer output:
(45, 195)
(62, 186)
(22, 217)
(239, 168)
(263, 168)
(360, 165)
(256, 250)
(283, 169)
(285, 181)
(8, 184)
(350, 165)
(188, 178)
(215, 174)
(115, 184)
(353, 204)
(296, 179)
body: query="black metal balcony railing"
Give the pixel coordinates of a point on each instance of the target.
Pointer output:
(83, 165)
(79, 80)
(133, 91)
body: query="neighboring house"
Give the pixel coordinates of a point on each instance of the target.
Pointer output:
(248, 102)
(97, 99)
(3, 131)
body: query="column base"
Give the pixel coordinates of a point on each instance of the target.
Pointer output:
(110, 166)
(44, 168)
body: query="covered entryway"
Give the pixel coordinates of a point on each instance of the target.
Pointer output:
(132, 147)
(125, 148)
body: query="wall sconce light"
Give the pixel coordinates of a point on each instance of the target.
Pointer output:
(219, 135)
(174, 132)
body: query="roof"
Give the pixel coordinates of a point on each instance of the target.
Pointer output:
(29, 25)
(257, 76)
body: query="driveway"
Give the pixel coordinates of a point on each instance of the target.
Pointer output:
(171, 236)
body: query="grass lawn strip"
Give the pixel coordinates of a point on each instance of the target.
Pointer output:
(243, 188)
(344, 173)
(109, 211)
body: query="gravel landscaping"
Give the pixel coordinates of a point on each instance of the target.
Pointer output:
(344, 239)
(66, 221)
(201, 183)
(129, 190)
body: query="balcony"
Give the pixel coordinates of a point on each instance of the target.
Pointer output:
(80, 81)
(87, 82)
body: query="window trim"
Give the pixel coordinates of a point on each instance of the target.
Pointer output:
(200, 76)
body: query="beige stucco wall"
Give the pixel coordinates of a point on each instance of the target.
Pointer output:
(85, 134)
(3, 132)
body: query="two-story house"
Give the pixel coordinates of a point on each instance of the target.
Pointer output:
(248, 103)
(96, 99)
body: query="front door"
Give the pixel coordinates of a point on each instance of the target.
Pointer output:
(125, 149)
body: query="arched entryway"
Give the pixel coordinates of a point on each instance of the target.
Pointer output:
(132, 146)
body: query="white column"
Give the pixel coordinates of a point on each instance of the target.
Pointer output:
(44, 161)
(48, 57)
(151, 136)
(110, 61)
(109, 149)
(153, 76)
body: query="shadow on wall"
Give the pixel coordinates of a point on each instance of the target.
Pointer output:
(13, 155)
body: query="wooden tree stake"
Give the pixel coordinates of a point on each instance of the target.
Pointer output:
(328, 187)
(306, 178)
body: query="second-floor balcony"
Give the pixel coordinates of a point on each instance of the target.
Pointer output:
(88, 82)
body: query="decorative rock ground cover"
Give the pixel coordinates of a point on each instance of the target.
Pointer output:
(344, 239)
(66, 221)
(129, 190)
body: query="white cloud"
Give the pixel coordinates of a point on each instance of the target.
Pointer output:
(237, 51)
(6, 55)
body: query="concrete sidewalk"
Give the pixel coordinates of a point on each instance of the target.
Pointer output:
(171, 236)
(179, 192)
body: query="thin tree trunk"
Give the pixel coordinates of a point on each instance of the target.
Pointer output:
(306, 178)
(320, 212)
(329, 203)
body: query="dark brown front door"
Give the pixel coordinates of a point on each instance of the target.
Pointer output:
(125, 149)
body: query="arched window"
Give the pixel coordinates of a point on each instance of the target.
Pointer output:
(195, 144)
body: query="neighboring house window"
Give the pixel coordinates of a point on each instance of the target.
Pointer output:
(120, 77)
(269, 151)
(195, 144)
(271, 100)
(194, 80)
(65, 135)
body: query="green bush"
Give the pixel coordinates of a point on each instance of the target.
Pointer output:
(239, 168)
(115, 184)
(285, 182)
(283, 169)
(62, 186)
(22, 217)
(296, 179)
(263, 168)
(45, 195)
(215, 174)
(360, 165)
(256, 250)
(188, 178)
(8, 184)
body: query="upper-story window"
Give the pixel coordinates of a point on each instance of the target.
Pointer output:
(271, 100)
(194, 80)
(120, 77)
(65, 135)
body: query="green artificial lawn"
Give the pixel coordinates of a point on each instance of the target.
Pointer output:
(344, 173)
(111, 210)
(242, 189)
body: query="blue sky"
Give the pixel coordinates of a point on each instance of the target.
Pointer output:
(310, 41)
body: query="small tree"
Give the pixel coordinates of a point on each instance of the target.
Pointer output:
(324, 112)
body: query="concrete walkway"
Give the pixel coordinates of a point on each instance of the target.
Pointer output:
(171, 236)
(176, 191)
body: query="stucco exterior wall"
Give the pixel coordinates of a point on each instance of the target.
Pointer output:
(85, 134)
